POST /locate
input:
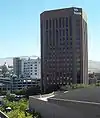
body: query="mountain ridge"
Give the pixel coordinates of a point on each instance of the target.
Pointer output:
(93, 66)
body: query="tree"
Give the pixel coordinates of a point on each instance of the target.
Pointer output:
(33, 91)
(10, 97)
(20, 92)
(52, 88)
(4, 70)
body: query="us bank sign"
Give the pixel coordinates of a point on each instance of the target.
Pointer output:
(76, 11)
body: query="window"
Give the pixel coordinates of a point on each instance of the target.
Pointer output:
(46, 24)
(78, 59)
(59, 22)
(78, 68)
(78, 22)
(53, 33)
(50, 35)
(35, 73)
(71, 68)
(78, 50)
(78, 39)
(77, 46)
(50, 23)
(66, 21)
(78, 64)
(53, 23)
(46, 35)
(70, 43)
(63, 38)
(78, 42)
(63, 32)
(35, 70)
(66, 32)
(60, 32)
(70, 25)
(71, 53)
(56, 35)
(56, 23)
(78, 31)
(63, 22)
(67, 64)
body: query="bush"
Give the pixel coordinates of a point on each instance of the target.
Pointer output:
(52, 88)
(3, 92)
(97, 84)
(34, 90)
(20, 92)
(18, 114)
(18, 108)
(36, 114)
(74, 86)
(10, 97)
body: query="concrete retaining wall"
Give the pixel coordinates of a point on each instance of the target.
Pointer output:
(91, 110)
(49, 110)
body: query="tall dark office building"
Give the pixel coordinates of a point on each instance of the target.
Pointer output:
(64, 47)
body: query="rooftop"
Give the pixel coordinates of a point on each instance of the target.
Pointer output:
(61, 9)
(77, 103)
(91, 94)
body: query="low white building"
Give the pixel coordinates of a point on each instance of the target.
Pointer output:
(31, 68)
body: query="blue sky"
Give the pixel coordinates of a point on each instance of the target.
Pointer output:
(20, 28)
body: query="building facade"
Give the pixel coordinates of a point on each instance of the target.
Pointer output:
(64, 47)
(17, 66)
(27, 67)
(27, 72)
(31, 68)
(22, 83)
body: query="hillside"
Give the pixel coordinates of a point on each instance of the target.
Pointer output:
(93, 66)
(8, 60)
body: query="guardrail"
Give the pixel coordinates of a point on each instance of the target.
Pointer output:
(2, 115)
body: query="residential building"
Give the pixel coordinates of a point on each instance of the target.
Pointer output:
(5, 83)
(28, 71)
(22, 83)
(64, 47)
(30, 68)
(27, 67)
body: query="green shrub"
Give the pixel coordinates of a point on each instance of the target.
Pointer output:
(97, 84)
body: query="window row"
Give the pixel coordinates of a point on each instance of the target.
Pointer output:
(58, 23)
